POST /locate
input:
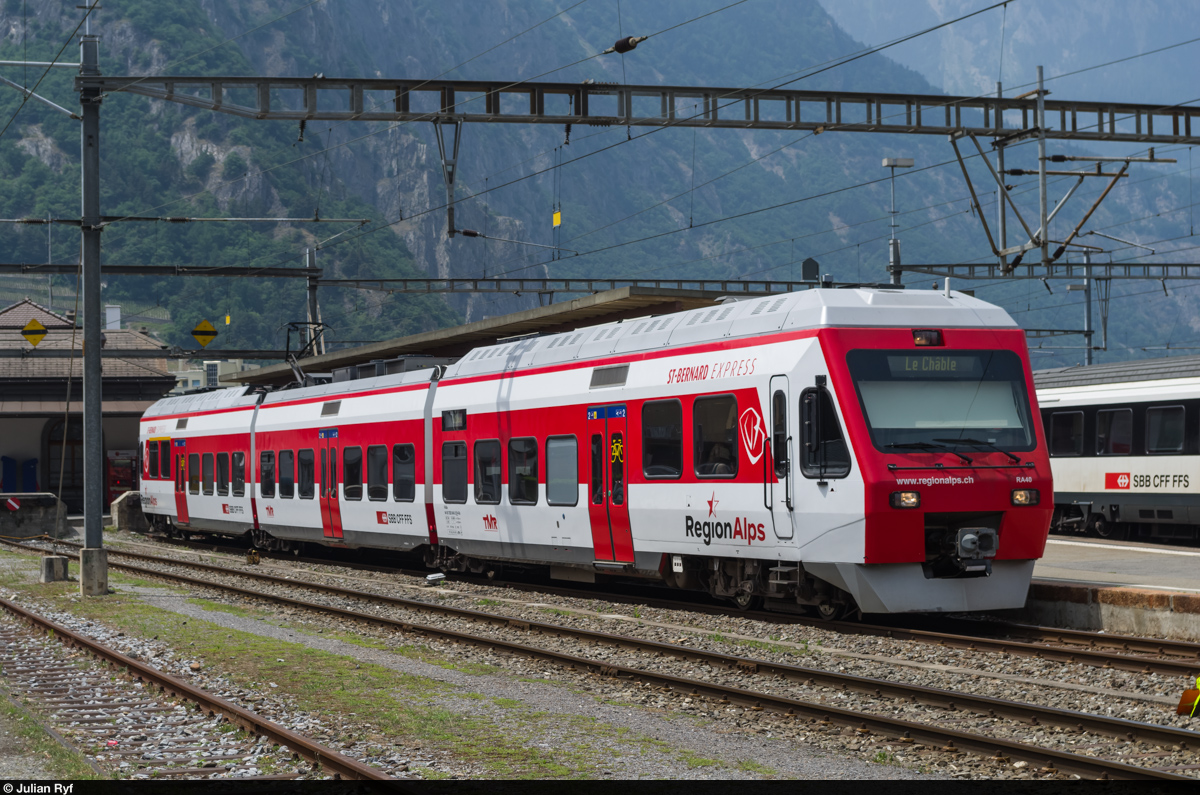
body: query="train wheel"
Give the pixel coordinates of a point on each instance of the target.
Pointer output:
(1111, 531)
(746, 601)
(830, 611)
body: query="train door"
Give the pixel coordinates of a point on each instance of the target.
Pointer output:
(179, 446)
(777, 472)
(331, 512)
(608, 505)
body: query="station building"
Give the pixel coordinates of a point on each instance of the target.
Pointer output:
(41, 403)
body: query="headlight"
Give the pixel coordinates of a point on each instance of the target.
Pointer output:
(906, 499)
(1025, 496)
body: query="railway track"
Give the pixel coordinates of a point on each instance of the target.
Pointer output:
(1102, 734)
(180, 732)
(1127, 653)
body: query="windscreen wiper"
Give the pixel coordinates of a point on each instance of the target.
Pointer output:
(928, 446)
(980, 443)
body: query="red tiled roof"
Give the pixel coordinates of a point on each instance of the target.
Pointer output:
(35, 366)
(20, 313)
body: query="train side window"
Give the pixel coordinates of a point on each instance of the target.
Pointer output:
(208, 473)
(404, 473)
(223, 474)
(1114, 432)
(266, 473)
(716, 443)
(487, 472)
(454, 472)
(523, 471)
(823, 450)
(779, 445)
(662, 439)
(1164, 429)
(597, 469)
(152, 459)
(562, 470)
(239, 475)
(193, 473)
(377, 474)
(1066, 433)
(306, 471)
(164, 458)
(287, 474)
(352, 473)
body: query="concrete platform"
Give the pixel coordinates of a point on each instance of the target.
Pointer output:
(1117, 586)
(1119, 564)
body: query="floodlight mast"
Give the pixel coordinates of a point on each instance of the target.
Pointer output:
(894, 163)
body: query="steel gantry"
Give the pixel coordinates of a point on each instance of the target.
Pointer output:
(602, 105)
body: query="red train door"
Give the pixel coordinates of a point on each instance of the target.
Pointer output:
(608, 505)
(181, 481)
(331, 512)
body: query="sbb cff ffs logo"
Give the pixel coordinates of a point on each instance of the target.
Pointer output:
(1116, 480)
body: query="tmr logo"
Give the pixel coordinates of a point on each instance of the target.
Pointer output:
(1116, 480)
(227, 508)
(490, 523)
(754, 434)
(383, 517)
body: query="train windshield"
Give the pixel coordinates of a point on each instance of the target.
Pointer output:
(951, 399)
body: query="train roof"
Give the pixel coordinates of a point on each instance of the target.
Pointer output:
(856, 308)
(1171, 367)
(817, 308)
(246, 396)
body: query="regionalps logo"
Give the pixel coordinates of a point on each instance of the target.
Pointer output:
(708, 529)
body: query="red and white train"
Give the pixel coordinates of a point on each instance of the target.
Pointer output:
(834, 449)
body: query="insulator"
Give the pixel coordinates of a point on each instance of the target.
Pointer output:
(1058, 252)
(1017, 259)
(626, 44)
(1058, 158)
(468, 233)
(1018, 172)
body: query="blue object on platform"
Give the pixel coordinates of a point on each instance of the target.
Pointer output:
(29, 481)
(8, 474)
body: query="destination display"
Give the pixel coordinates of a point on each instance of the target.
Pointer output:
(922, 365)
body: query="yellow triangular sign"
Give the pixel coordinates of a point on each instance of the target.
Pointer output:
(34, 332)
(204, 333)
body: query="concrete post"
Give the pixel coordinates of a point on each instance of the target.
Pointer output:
(93, 571)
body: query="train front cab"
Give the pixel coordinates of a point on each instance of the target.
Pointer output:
(957, 486)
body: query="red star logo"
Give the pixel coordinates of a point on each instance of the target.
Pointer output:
(712, 504)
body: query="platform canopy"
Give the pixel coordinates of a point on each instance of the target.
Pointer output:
(605, 307)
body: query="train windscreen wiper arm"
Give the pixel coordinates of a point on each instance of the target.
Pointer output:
(928, 446)
(980, 443)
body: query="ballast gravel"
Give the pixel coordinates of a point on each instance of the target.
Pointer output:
(1132, 696)
(626, 737)
(695, 739)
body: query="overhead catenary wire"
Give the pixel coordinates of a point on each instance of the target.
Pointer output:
(658, 129)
